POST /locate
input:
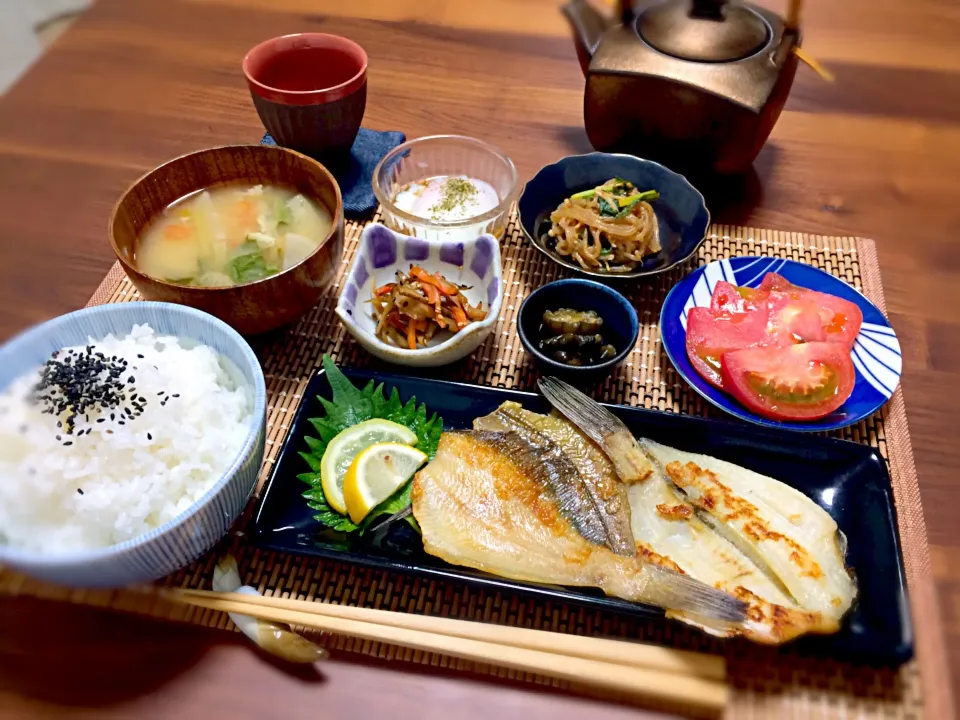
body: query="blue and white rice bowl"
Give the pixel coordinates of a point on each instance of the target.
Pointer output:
(876, 352)
(473, 263)
(197, 527)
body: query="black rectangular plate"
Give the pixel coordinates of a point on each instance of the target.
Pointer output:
(848, 480)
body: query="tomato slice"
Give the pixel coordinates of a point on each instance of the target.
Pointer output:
(711, 333)
(794, 318)
(800, 382)
(773, 281)
(841, 319)
(730, 298)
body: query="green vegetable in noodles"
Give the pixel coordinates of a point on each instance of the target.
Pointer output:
(607, 209)
(627, 203)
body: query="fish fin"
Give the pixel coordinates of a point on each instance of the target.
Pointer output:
(601, 426)
(675, 591)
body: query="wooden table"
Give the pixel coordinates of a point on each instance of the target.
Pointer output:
(135, 83)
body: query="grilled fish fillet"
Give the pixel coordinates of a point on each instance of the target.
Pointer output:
(785, 534)
(669, 532)
(485, 502)
(728, 536)
(601, 494)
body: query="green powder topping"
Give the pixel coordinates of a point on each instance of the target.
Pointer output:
(456, 192)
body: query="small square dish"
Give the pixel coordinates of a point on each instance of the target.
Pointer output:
(474, 265)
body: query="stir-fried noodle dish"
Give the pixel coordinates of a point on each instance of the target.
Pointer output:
(609, 228)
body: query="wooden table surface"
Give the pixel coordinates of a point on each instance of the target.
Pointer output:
(134, 83)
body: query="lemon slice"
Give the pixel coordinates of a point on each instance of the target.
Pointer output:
(376, 473)
(347, 445)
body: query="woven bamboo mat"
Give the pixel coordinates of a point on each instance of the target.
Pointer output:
(767, 682)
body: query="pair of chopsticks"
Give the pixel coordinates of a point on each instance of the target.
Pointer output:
(631, 668)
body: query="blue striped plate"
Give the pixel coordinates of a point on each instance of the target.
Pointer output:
(876, 353)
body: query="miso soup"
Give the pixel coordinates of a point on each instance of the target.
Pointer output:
(231, 235)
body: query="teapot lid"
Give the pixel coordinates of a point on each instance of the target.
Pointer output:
(703, 30)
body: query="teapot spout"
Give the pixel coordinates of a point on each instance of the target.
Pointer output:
(588, 27)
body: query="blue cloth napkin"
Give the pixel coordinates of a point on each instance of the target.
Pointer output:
(357, 177)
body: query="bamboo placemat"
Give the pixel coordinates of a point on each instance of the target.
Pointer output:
(767, 682)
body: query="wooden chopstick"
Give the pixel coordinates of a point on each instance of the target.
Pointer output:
(814, 65)
(632, 681)
(682, 662)
(792, 19)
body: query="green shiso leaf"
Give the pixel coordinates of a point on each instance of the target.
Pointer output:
(349, 407)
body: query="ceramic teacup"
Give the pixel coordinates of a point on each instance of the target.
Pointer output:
(310, 90)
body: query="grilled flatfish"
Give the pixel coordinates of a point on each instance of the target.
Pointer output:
(670, 532)
(791, 539)
(756, 538)
(487, 501)
(600, 494)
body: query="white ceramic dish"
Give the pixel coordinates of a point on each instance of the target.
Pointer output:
(382, 252)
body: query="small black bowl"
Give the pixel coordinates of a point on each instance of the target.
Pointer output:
(621, 326)
(682, 215)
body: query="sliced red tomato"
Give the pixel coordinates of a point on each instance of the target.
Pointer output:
(773, 281)
(711, 333)
(841, 319)
(800, 382)
(730, 298)
(794, 318)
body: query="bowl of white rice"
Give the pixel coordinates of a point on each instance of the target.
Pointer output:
(131, 437)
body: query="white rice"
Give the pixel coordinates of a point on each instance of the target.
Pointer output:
(120, 481)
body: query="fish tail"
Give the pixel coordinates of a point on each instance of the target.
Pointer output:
(675, 591)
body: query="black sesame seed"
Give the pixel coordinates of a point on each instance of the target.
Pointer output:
(130, 379)
(175, 395)
(160, 393)
(121, 423)
(59, 424)
(149, 436)
(80, 491)
(140, 356)
(59, 438)
(100, 420)
(68, 443)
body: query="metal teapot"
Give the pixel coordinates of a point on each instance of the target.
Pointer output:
(697, 84)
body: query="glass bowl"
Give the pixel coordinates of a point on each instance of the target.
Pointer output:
(439, 156)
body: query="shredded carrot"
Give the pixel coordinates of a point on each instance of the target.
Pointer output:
(438, 282)
(412, 335)
(459, 315)
(383, 289)
(433, 295)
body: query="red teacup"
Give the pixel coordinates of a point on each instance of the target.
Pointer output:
(310, 90)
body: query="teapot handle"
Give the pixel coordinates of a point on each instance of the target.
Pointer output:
(708, 9)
